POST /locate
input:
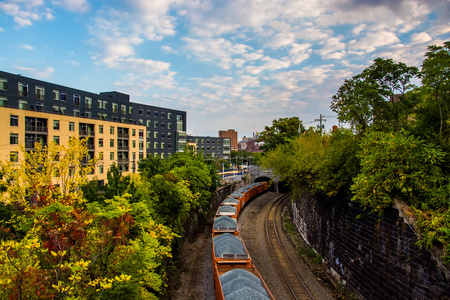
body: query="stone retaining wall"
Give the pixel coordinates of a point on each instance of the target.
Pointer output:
(374, 256)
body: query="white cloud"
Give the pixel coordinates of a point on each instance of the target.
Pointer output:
(39, 73)
(168, 49)
(373, 40)
(27, 47)
(2, 29)
(25, 12)
(421, 37)
(77, 6)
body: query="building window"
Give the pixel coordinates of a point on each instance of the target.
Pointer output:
(55, 124)
(162, 145)
(163, 125)
(149, 113)
(14, 120)
(62, 110)
(105, 104)
(88, 102)
(169, 145)
(133, 132)
(163, 135)
(155, 124)
(14, 156)
(39, 106)
(71, 126)
(55, 95)
(134, 144)
(141, 145)
(141, 122)
(179, 126)
(155, 145)
(169, 135)
(100, 142)
(88, 114)
(149, 134)
(141, 111)
(141, 134)
(111, 130)
(149, 123)
(63, 96)
(130, 110)
(155, 134)
(115, 108)
(56, 139)
(111, 155)
(169, 125)
(100, 128)
(40, 92)
(76, 100)
(100, 156)
(55, 109)
(163, 114)
(3, 101)
(111, 142)
(169, 116)
(23, 104)
(3, 84)
(100, 169)
(14, 138)
(23, 89)
(76, 112)
(123, 108)
(149, 145)
(179, 118)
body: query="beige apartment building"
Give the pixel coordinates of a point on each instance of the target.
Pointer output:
(110, 142)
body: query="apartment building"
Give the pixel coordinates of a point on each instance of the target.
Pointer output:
(119, 131)
(211, 146)
(232, 135)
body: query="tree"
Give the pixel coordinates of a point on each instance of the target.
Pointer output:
(435, 75)
(370, 98)
(281, 132)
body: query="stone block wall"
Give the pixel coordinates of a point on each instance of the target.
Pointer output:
(374, 256)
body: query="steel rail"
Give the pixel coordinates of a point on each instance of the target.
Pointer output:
(292, 279)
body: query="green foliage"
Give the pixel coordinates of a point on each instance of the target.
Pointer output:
(281, 132)
(398, 165)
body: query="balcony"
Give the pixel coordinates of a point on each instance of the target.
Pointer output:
(123, 135)
(87, 133)
(36, 128)
(90, 146)
(123, 160)
(123, 147)
(30, 145)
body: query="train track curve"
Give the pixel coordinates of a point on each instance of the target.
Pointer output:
(293, 280)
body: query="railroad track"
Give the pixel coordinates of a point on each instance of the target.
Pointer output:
(292, 279)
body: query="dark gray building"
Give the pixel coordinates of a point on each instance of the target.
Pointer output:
(165, 128)
(211, 146)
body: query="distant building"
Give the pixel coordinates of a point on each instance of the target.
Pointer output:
(232, 135)
(211, 146)
(120, 131)
(249, 144)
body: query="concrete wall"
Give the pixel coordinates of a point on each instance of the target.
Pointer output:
(374, 256)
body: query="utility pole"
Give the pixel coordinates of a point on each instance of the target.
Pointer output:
(320, 120)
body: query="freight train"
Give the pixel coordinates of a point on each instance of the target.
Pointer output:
(235, 277)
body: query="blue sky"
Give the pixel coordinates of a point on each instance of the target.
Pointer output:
(231, 64)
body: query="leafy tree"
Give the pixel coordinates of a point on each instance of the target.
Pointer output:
(75, 250)
(435, 76)
(281, 132)
(117, 184)
(151, 166)
(369, 98)
(398, 165)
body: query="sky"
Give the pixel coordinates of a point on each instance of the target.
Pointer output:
(230, 64)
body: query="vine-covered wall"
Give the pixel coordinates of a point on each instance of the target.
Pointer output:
(377, 257)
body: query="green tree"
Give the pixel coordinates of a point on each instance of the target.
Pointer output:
(435, 76)
(281, 132)
(370, 98)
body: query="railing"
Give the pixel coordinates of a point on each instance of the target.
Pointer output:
(123, 135)
(87, 132)
(30, 145)
(123, 160)
(123, 147)
(34, 128)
